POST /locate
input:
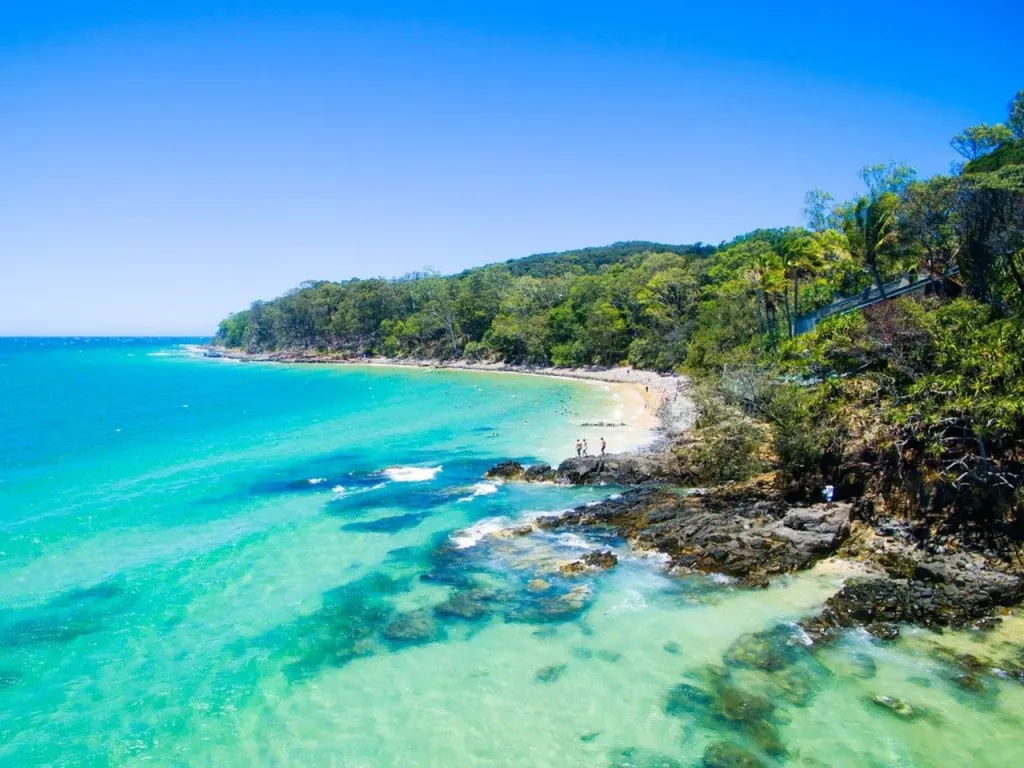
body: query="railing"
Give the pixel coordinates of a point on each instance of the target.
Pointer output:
(901, 287)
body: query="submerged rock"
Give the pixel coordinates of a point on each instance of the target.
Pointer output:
(898, 707)
(552, 673)
(469, 604)
(412, 627)
(538, 585)
(673, 647)
(725, 754)
(637, 757)
(684, 699)
(769, 650)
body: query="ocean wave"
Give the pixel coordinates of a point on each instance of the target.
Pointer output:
(481, 489)
(316, 480)
(338, 489)
(471, 536)
(411, 474)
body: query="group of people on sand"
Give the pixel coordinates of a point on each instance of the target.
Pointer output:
(582, 450)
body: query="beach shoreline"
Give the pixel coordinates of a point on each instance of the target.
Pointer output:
(656, 406)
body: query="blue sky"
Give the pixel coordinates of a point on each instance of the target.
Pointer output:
(162, 164)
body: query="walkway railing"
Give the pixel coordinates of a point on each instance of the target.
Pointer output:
(901, 287)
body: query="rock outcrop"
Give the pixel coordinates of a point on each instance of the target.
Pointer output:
(618, 469)
(752, 538)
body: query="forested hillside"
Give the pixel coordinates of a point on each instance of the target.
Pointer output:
(926, 392)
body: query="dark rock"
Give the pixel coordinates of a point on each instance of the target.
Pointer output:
(880, 603)
(883, 630)
(625, 469)
(600, 559)
(725, 754)
(717, 532)
(586, 738)
(539, 473)
(552, 673)
(505, 470)
(590, 561)
(673, 647)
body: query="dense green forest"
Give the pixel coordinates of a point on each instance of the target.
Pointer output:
(929, 391)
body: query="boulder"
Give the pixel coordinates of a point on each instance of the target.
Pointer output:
(505, 470)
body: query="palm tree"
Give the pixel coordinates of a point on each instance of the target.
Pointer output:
(802, 256)
(871, 234)
(765, 276)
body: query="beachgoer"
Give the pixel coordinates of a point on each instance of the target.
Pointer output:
(602, 446)
(827, 493)
(584, 446)
(579, 448)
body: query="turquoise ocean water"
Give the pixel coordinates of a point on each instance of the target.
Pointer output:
(224, 564)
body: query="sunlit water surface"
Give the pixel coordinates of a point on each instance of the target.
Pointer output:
(212, 563)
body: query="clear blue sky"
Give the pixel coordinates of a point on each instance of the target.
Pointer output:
(162, 164)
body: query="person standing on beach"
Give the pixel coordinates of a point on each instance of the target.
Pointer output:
(584, 446)
(602, 446)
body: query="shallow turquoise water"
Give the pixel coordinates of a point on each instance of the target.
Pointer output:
(212, 563)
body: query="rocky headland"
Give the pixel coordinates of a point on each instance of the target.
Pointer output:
(748, 531)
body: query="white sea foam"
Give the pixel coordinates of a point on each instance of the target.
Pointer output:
(720, 578)
(411, 474)
(481, 489)
(634, 602)
(572, 541)
(317, 480)
(338, 489)
(468, 537)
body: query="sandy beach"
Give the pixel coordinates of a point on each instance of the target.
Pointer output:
(650, 405)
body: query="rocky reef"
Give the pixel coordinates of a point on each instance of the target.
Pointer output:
(750, 532)
(752, 537)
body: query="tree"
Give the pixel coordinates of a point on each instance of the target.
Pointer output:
(801, 256)
(1015, 121)
(980, 139)
(927, 223)
(871, 234)
(437, 299)
(883, 178)
(818, 210)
